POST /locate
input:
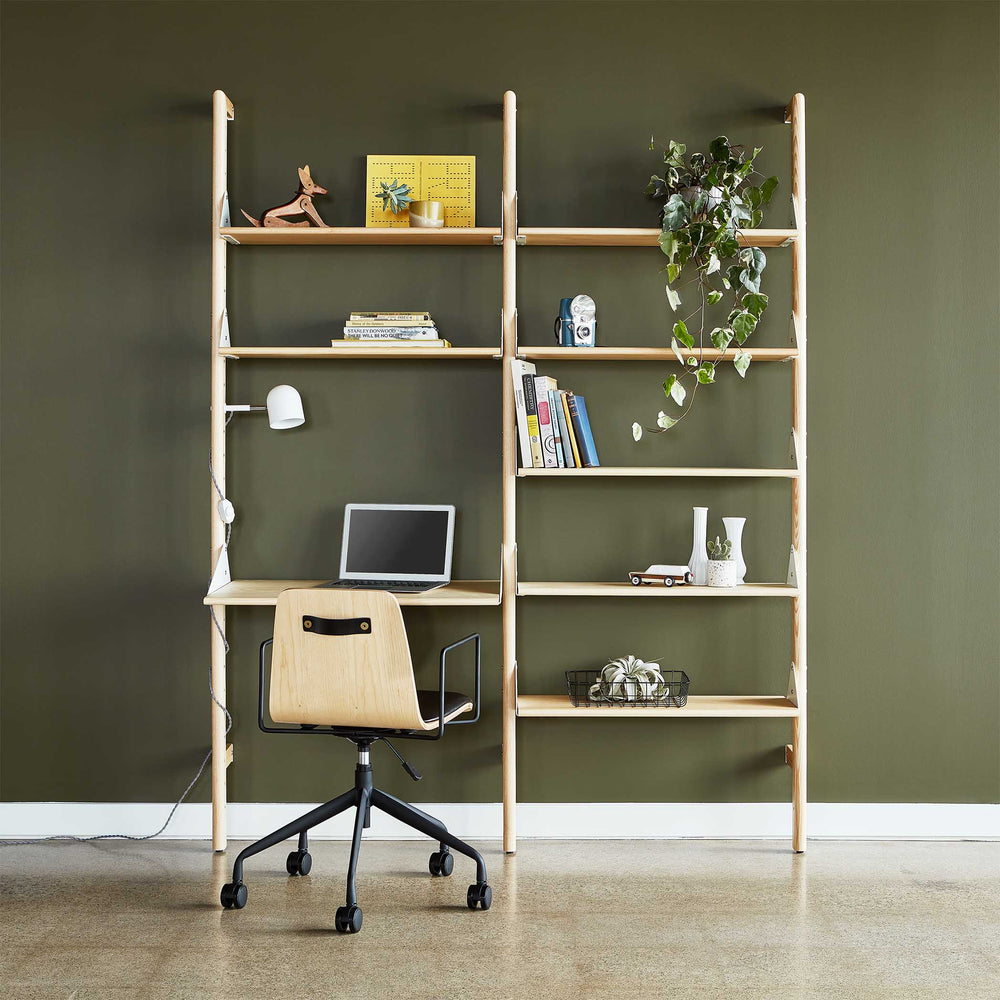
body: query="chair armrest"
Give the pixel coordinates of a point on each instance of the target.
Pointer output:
(475, 637)
(260, 689)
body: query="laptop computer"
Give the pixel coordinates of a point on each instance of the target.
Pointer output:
(404, 548)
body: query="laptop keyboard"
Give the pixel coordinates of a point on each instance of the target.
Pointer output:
(395, 585)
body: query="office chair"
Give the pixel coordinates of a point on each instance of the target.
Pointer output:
(341, 666)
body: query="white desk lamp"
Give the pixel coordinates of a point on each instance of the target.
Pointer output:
(284, 408)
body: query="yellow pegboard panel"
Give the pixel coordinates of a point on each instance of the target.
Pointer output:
(448, 179)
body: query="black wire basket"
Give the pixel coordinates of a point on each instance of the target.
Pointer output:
(629, 694)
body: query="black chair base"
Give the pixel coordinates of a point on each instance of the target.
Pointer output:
(361, 797)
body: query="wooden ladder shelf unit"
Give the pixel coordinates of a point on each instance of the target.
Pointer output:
(506, 592)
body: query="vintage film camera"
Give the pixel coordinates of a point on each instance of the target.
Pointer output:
(576, 325)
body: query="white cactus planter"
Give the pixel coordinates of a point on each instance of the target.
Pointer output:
(723, 573)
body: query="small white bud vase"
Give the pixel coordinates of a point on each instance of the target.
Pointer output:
(698, 563)
(734, 532)
(722, 573)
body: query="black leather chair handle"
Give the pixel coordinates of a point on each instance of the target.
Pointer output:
(336, 626)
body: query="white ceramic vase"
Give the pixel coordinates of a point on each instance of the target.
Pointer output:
(734, 532)
(698, 563)
(722, 573)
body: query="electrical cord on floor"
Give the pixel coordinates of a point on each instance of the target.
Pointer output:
(198, 773)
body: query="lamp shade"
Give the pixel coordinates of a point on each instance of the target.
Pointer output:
(284, 408)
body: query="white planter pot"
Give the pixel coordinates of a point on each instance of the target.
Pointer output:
(723, 573)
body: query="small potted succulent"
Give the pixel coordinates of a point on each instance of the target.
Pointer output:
(629, 679)
(723, 570)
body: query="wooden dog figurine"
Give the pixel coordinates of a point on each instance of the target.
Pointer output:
(301, 204)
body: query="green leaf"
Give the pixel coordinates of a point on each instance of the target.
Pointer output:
(706, 373)
(676, 213)
(767, 189)
(662, 420)
(677, 392)
(636, 428)
(752, 195)
(742, 362)
(743, 326)
(674, 154)
(721, 336)
(719, 149)
(652, 143)
(681, 333)
(693, 362)
(673, 298)
(726, 282)
(656, 187)
(713, 296)
(755, 303)
(713, 262)
(668, 244)
(676, 348)
(673, 272)
(756, 218)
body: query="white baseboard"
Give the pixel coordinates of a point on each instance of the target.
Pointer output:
(535, 820)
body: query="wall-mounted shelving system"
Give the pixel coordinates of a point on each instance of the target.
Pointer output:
(507, 590)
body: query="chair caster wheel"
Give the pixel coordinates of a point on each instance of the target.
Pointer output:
(442, 863)
(480, 896)
(233, 896)
(348, 919)
(298, 863)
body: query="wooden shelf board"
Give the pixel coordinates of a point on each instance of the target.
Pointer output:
(559, 237)
(386, 353)
(358, 236)
(718, 706)
(640, 471)
(265, 592)
(555, 353)
(625, 589)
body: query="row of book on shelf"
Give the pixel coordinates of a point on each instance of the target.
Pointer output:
(553, 427)
(391, 329)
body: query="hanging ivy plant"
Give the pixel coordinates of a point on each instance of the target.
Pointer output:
(707, 202)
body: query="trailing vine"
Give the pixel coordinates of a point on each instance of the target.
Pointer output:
(707, 202)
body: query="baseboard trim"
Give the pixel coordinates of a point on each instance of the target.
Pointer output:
(535, 820)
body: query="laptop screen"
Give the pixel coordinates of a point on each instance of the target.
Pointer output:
(397, 542)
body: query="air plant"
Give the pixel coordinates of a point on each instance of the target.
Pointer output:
(720, 551)
(628, 678)
(395, 196)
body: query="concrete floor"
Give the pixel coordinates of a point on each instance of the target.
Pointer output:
(581, 920)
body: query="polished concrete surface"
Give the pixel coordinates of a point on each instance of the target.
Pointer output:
(581, 919)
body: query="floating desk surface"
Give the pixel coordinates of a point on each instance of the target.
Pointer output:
(732, 706)
(576, 589)
(265, 592)
(358, 236)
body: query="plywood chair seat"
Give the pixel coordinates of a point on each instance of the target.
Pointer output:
(342, 659)
(341, 665)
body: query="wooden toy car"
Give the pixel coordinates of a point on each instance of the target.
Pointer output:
(659, 573)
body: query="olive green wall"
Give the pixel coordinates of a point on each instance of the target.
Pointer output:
(106, 192)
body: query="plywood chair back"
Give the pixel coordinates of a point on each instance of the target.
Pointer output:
(361, 678)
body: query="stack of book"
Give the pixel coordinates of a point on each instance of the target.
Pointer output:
(391, 329)
(553, 429)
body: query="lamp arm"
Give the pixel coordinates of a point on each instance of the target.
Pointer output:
(244, 407)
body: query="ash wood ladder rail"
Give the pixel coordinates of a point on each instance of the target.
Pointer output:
(222, 114)
(795, 115)
(508, 574)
